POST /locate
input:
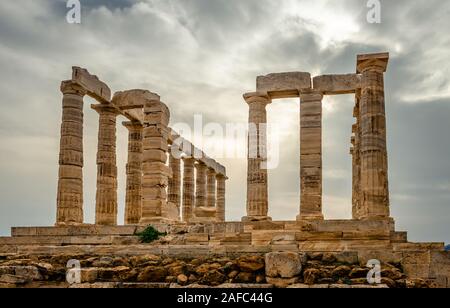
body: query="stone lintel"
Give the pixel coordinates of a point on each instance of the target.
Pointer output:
(133, 99)
(105, 107)
(93, 86)
(337, 84)
(378, 59)
(283, 85)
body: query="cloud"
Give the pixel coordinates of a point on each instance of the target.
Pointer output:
(200, 56)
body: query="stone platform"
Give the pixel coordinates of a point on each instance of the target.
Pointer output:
(350, 240)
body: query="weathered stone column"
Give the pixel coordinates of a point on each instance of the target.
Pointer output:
(156, 173)
(174, 189)
(211, 187)
(257, 186)
(374, 166)
(70, 178)
(188, 189)
(200, 189)
(310, 156)
(133, 198)
(220, 201)
(356, 159)
(106, 197)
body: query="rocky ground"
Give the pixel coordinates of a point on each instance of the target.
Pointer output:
(273, 270)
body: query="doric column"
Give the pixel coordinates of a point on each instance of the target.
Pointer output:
(356, 159)
(374, 167)
(257, 186)
(133, 198)
(310, 156)
(106, 197)
(211, 187)
(220, 201)
(156, 173)
(188, 189)
(174, 189)
(200, 187)
(70, 178)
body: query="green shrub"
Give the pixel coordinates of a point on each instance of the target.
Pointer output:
(150, 234)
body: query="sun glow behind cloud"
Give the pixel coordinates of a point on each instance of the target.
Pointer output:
(332, 24)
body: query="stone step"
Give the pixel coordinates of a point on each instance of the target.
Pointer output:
(83, 230)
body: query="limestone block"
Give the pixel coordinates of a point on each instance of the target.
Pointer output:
(171, 211)
(284, 264)
(337, 84)
(93, 86)
(155, 143)
(133, 99)
(283, 85)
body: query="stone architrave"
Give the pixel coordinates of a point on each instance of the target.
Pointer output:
(70, 178)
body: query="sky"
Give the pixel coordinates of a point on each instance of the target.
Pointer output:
(201, 56)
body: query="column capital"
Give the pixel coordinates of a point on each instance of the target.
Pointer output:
(105, 108)
(188, 160)
(261, 98)
(200, 164)
(372, 62)
(220, 176)
(70, 87)
(133, 125)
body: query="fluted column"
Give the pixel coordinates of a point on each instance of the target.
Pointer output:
(374, 166)
(106, 197)
(188, 189)
(257, 181)
(200, 187)
(211, 187)
(70, 178)
(156, 173)
(174, 189)
(133, 197)
(356, 159)
(310, 156)
(220, 201)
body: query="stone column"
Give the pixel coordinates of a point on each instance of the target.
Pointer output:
(70, 178)
(220, 201)
(188, 189)
(257, 181)
(310, 156)
(356, 159)
(106, 197)
(374, 167)
(156, 173)
(174, 189)
(133, 198)
(211, 187)
(200, 189)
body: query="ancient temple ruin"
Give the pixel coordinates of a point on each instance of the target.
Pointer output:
(153, 187)
(178, 189)
(370, 174)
